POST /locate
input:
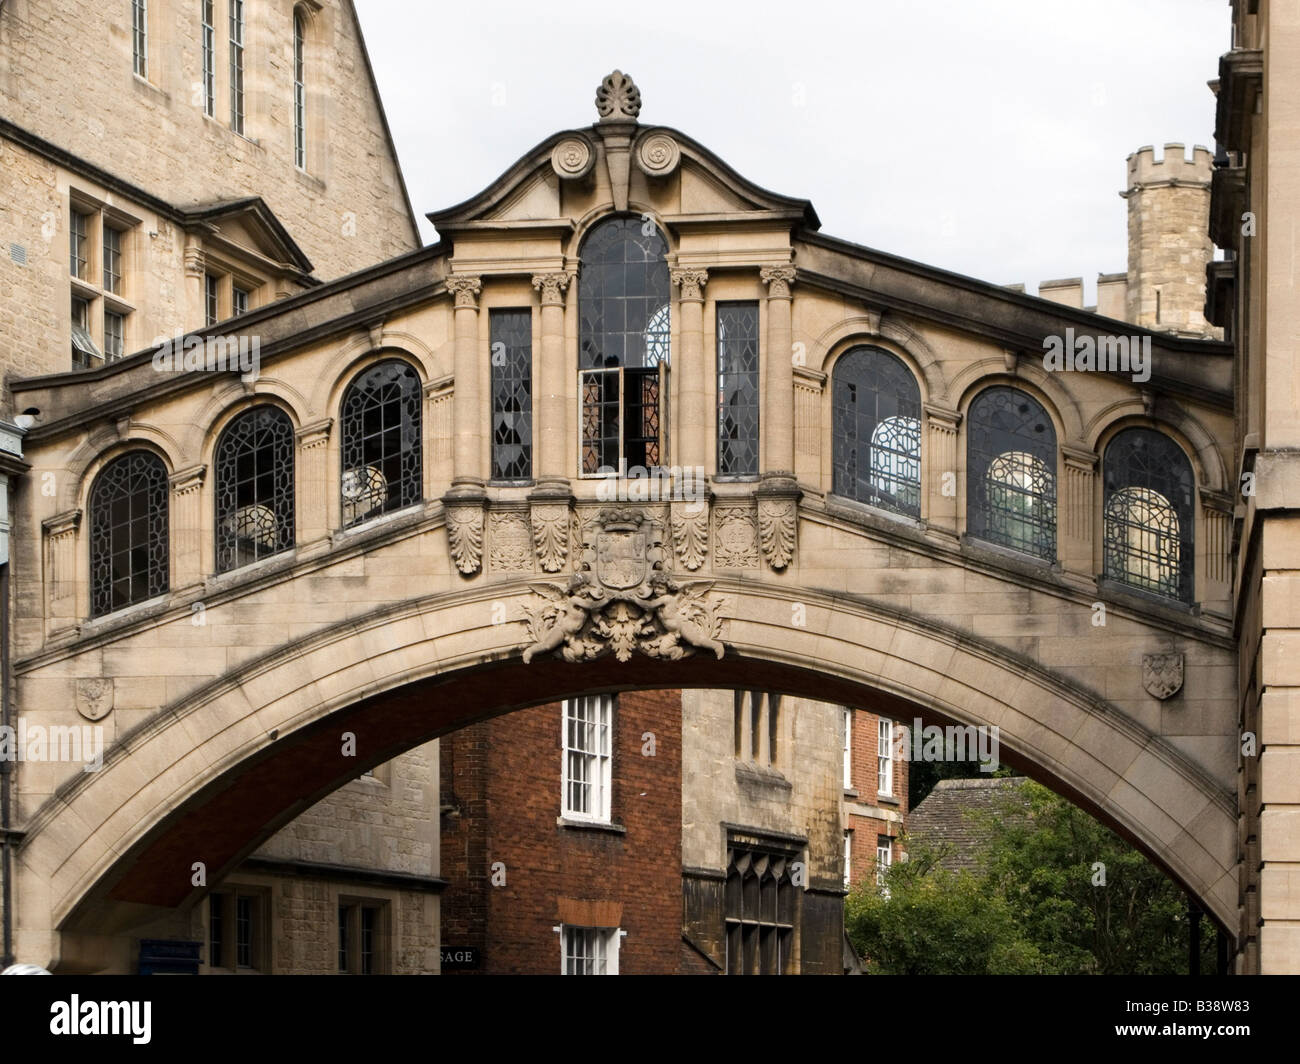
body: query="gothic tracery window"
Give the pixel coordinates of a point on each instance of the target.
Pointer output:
(255, 505)
(1148, 514)
(128, 533)
(1011, 472)
(877, 431)
(382, 467)
(623, 302)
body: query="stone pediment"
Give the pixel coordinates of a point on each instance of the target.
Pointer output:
(619, 161)
(249, 225)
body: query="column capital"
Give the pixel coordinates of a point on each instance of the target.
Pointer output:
(1079, 459)
(552, 287)
(314, 434)
(941, 417)
(691, 280)
(188, 480)
(778, 280)
(62, 524)
(195, 260)
(466, 288)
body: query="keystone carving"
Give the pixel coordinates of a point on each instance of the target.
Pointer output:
(1162, 675)
(777, 530)
(465, 536)
(623, 601)
(690, 526)
(618, 98)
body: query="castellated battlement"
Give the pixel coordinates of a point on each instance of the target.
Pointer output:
(1143, 169)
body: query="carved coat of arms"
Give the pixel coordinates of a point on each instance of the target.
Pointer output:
(94, 697)
(1162, 674)
(622, 600)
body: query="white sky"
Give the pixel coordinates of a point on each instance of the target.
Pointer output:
(982, 136)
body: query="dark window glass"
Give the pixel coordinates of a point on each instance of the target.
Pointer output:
(343, 938)
(1149, 493)
(759, 902)
(1011, 472)
(382, 467)
(624, 293)
(512, 394)
(212, 312)
(368, 941)
(876, 435)
(255, 506)
(112, 261)
(216, 929)
(244, 932)
(299, 96)
(738, 389)
(128, 533)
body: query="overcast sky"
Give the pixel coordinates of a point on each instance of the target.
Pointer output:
(982, 136)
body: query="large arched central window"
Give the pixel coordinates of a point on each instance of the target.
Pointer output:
(623, 301)
(876, 445)
(254, 463)
(128, 532)
(381, 442)
(1147, 536)
(1011, 472)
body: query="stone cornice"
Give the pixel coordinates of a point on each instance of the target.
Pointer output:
(185, 481)
(62, 524)
(314, 434)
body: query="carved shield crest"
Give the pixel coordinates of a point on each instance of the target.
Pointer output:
(94, 698)
(1162, 675)
(621, 559)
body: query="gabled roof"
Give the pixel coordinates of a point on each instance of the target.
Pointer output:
(948, 817)
(260, 222)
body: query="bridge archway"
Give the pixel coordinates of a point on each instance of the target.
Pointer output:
(214, 775)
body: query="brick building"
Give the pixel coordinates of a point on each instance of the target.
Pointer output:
(663, 832)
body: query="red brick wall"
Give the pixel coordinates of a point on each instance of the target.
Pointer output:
(864, 742)
(504, 777)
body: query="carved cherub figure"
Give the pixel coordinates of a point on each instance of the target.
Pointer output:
(567, 614)
(683, 614)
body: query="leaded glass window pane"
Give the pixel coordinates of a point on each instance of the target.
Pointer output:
(128, 533)
(237, 65)
(255, 505)
(1011, 469)
(877, 431)
(1149, 492)
(624, 340)
(209, 58)
(382, 467)
(512, 394)
(759, 907)
(738, 389)
(299, 96)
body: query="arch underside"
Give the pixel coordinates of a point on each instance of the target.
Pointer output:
(212, 777)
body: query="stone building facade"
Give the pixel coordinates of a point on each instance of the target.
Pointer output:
(714, 798)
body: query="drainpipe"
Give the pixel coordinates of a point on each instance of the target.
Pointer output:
(11, 467)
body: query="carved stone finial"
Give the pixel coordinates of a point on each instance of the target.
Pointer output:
(618, 99)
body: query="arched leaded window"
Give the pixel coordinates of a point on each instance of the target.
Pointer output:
(876, 443)
(1011, 472)
(254, 462)
(128, 532)
(380, 416)
(1148, 514)
(623, 300)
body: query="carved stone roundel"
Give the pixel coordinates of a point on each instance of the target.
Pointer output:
(658, 155)
(572, 158)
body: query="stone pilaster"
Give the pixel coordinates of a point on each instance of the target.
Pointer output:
(314, 482)
(1078, 512)
(941, 453)
(468, 414)
(551, 402)
(778, 403)
(1214, 563)
(187, 527)
(694, 387)
(809, 386)
(61, 569)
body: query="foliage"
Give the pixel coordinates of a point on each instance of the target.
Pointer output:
(1056, 892)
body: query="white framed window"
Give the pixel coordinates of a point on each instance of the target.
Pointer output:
(589, 950)
(848, 749)
(238, 301)
(237, 65)
(884, 856)
(848, 858)
(299, 94)
(140, 37)
(885, 757)
(588, 728)
(209, 35)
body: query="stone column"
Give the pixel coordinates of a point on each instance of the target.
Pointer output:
(187, 527)
(1078, 512)
(468, 415)
(465, 501)
(943, 469)
(552, 389)
(694, 386)
(314, 482)
(194, 311)
(778, 404)
(61, 569)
